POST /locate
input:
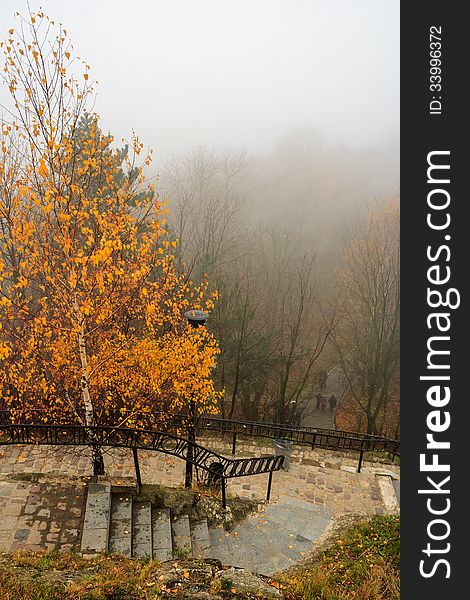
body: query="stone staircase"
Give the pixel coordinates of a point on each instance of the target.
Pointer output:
(272, 540)
(119, 522)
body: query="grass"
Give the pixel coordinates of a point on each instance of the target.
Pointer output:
(67, 576)
(362, 565)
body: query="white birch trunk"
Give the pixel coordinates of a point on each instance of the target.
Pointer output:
(97, 458)
(88, 405)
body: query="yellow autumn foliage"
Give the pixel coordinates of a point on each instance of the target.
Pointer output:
(91, 303)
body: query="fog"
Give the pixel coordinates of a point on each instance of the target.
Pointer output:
(237, 74)
(275, 130)
(307, 92)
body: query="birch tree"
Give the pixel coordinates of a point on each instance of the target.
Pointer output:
(91, 304)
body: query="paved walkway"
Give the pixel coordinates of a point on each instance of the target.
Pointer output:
(42, 515)
(48, 513)
(325, 418)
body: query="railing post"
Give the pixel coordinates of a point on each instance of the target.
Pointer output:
(224, 499)
(98, 462)
(270, 480)
(234, 442)
(137, 469)
(188, 479)
(361, 454)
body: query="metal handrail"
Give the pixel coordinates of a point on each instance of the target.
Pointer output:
(218, 466)
(331, 439)
(274, 430)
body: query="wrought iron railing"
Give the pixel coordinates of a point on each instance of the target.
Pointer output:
(315, 437)
(218, 467)
(332, 439)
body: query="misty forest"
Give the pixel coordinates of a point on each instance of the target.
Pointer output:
(304, 259)
(293, 251)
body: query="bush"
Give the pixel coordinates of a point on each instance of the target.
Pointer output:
(363, 565)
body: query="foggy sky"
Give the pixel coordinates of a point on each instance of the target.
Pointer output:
(236, 73)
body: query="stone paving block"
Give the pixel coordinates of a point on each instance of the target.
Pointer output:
(162, 548)
(181, 532)
(141, 530)
(5, 490)
(120, 528)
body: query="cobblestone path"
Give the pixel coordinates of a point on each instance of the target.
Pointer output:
(47, 511)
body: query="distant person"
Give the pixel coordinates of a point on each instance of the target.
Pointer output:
(332, 402)
(323, 402)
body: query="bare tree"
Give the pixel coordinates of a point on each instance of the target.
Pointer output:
(300, 330)
(367, 339)
(268, 320)
(240, 318)
(205, 195)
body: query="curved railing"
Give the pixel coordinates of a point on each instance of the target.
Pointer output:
(331, 439)
(79, 435)
(218, 467)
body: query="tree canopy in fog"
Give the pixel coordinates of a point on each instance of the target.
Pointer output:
(274, 192)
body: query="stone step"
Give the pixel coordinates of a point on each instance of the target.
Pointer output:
(120, 530)
(181, 535)
(123, 485)
(162, 545)
(96, 520)
(266, 535)
(141, 529)
(250, 552)
(200, 539)
(272, 540)
(303, 519)
(219, 545)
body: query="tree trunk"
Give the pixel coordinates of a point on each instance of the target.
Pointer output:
(89, 413)
(97, 457)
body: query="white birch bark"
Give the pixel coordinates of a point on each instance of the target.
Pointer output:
(88, 405)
